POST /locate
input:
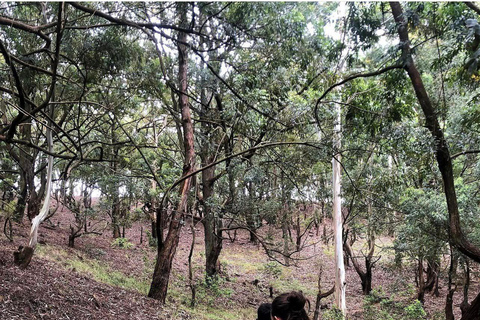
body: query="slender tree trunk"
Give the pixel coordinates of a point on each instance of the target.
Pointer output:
(340, 284)
(212, 225)
(464, 306)
(298, 231)
(365, 276)
(191, 281)
(421, 281)
(21, 199)
(249, 215)
(433, 269)
(166, 252)
(452, 274)
(115, 208)
(286, 238)
(23, 255)
(320, 296)
(212, 222)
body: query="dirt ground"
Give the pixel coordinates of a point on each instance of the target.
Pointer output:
(52, 289)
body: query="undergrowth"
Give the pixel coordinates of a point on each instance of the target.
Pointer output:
(98, 271)
(378, 306)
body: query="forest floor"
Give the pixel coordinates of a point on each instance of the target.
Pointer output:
(99, 279)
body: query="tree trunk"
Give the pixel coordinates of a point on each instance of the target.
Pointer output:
(421, 281)
(365, 276)
(340, 284)
(433, 269)
(451, 277)
(473, 310)
(166, 252)
(23, 255)
(212, 224)
(320, 296)
(298, 243)
(191, 283)
(115, 196)
(464, 306)
(21, 199)
(209, 146)
(286, 238)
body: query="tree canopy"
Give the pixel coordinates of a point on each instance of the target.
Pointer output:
(224, 112)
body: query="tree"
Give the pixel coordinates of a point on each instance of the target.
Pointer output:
(166, 252)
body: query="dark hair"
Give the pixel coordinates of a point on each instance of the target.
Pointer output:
(290, 306)
(264, 311)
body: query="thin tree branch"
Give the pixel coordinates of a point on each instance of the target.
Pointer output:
(350, 78)
(456, 155)
(25, 27)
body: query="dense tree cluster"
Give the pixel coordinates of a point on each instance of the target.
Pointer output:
(224, 114)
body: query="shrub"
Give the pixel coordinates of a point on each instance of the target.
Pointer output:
(122, 243)
(152, 242)
(333, 314)
(273, 269)
(415, 311)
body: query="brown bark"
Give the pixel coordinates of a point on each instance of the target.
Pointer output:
(365, 276)
(209, 148)
(431, 284)
(444, 161)
(23, 256)
(191, 282)
(464, 305)
(21, 199)
(212, 225)
(473, 311)
(451, 290)
(318, 305)
(166, 252)
(115, 213)
(320, 295)
(421, 281)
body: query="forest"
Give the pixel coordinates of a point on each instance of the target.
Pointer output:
(193, 160)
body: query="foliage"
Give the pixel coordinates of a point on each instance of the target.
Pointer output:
(379, 306)
(122, 243)
(152, 242)
(272, 269)
(255, 73)
(333, 314)
(211, 289)
(415, 311)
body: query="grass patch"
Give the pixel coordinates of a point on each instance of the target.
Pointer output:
(222, 314)
(243, 263)
(98, 271)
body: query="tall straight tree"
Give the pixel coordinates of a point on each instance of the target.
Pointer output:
(166, 251)
(337, 217)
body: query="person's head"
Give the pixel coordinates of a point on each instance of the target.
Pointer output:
(289, 306)
(264, 311)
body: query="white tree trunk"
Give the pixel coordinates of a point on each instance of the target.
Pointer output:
(340, 283)
(46, 203)
(23, 255)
